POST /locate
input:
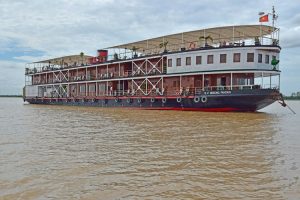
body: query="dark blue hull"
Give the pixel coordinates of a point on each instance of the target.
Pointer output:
(218, 101)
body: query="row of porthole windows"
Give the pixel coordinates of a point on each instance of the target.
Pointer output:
(223, 59)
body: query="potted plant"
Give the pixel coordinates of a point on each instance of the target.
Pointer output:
(81, 56)
(206, 38)
(256, 41)
(134, 49)
(116, 57)
(164, 45)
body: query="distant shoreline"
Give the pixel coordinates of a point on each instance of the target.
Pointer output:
(11, 96)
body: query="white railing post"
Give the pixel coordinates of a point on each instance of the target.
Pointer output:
(202, 82)
(231, 81)
(262, 80)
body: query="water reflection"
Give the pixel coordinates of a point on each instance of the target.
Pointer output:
(88, 153)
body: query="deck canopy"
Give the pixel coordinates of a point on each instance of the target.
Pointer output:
(69, 60)
(211, 35)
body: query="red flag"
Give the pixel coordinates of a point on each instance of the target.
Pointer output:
(264, 18)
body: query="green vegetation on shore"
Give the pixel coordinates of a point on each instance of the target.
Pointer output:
(291, 97)
(294, 96)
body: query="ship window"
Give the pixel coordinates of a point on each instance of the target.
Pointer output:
(92, 88)
(260, 58)
(170, 62)
(267, 59)
(250, 57)
(82, 88)
(222, 58)
(198, 60)
(188, 61)
(210, 59)
(178, 62)
(236, 57)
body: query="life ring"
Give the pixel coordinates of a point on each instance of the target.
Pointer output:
(203, 99)
(66, 100)
(164, 100)
(139, 100)
(196, 99)
(129, 100)
(116, 100)
(192, 45)
(152, 100)
(178, 99)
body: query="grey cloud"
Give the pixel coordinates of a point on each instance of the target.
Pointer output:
(62, 27)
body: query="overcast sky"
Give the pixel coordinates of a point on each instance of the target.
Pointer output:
(37, 29)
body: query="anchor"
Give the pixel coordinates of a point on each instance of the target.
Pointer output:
(282, 102)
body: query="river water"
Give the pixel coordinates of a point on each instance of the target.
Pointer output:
(57, 152)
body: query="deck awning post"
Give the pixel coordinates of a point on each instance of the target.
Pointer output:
(232, 34)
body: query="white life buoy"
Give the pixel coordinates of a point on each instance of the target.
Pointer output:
(129, 100)
(203, 99)
(139, 100)
(152, 100)
(164, 100)
(116, 100)
(196, 99)
(178, 99)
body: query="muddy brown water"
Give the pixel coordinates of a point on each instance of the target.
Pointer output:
(58, 152)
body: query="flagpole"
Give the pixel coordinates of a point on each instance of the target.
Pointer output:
(260, 27)
(261, 32)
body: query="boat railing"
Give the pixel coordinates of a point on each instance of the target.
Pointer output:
(270, 86)
(188, 91)
(158, 92)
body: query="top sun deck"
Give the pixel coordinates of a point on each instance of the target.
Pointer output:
(203, 37)
(217, 37)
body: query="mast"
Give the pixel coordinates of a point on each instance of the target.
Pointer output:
(274, 18)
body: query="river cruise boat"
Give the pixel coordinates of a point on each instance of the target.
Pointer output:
(231, 68)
